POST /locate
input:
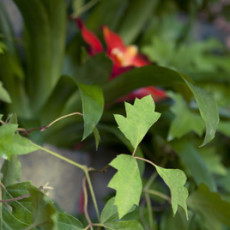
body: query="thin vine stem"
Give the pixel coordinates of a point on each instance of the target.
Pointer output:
(159, 194)
(82, 167)
(92, 192)
(86, 203)
(149, 207)
(148, 161)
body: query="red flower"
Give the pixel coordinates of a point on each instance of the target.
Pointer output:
(124, 58)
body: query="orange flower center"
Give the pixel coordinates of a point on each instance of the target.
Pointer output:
(126, 56)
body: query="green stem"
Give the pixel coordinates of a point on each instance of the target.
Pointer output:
(150, 180)
(92, 192)
(149, 206)
(82, 167)
(159, 194)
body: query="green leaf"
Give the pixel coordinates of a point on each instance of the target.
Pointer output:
(194, 163)
(159, 76)
(96, 137)
(140, 117)
(185, 120)
(20, 215)
(175, 180)
(93, 106)
(96, 70)
(208, 111)
(43, 212)
(4, 96)
(99, 16)
(11, 171)
(224, 127)
(135, 18)
(2, 47)
(12, 143)
(109, 212)
(68, 222)
(124, 225)
(127, 183)
(210, 206)
(45, 29)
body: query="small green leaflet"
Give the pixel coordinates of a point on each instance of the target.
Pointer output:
(12, 143)
(4, 96)
(92, 106)
(185, 120)
(210, 206)
(140, 117)
(127, 183)
(175, 180)
(124, 225)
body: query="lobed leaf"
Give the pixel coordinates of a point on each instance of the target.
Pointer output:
(127, 183)
(175, 180)
(140, 117)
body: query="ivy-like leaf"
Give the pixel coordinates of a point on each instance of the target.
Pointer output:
(93, 106)
(185, 120)
(175, 180)
(210, 206)
(12, 143)
(140, 117)
(127, 183)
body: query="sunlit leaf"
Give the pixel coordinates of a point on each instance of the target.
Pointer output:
(127, 183)
(140, 117)
(12, 143)
(175, 180)
(93, 106)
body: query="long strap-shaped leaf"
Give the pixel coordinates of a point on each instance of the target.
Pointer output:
(45, 38)
(160, 76)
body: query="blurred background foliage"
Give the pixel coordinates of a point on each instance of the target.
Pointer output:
(43, 57)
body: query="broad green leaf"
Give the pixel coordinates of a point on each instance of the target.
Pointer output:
(127, 183)
(135, 18)
(206, 103)
(11, 170)
(56, 102)
(213, 209)
(194, 163)
(159, 76)
(43, 212)
(213, 160)
(175, 180)
(140, 117)
(185, 120)
(68, 222)
(124, 225)
(93, 106)
(99, 16)
(12, 143)
(109, 212)
(95, 70)
(4, 96)
(20, 215)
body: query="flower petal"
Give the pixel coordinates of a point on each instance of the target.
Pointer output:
(112, 40)
(90, 38)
